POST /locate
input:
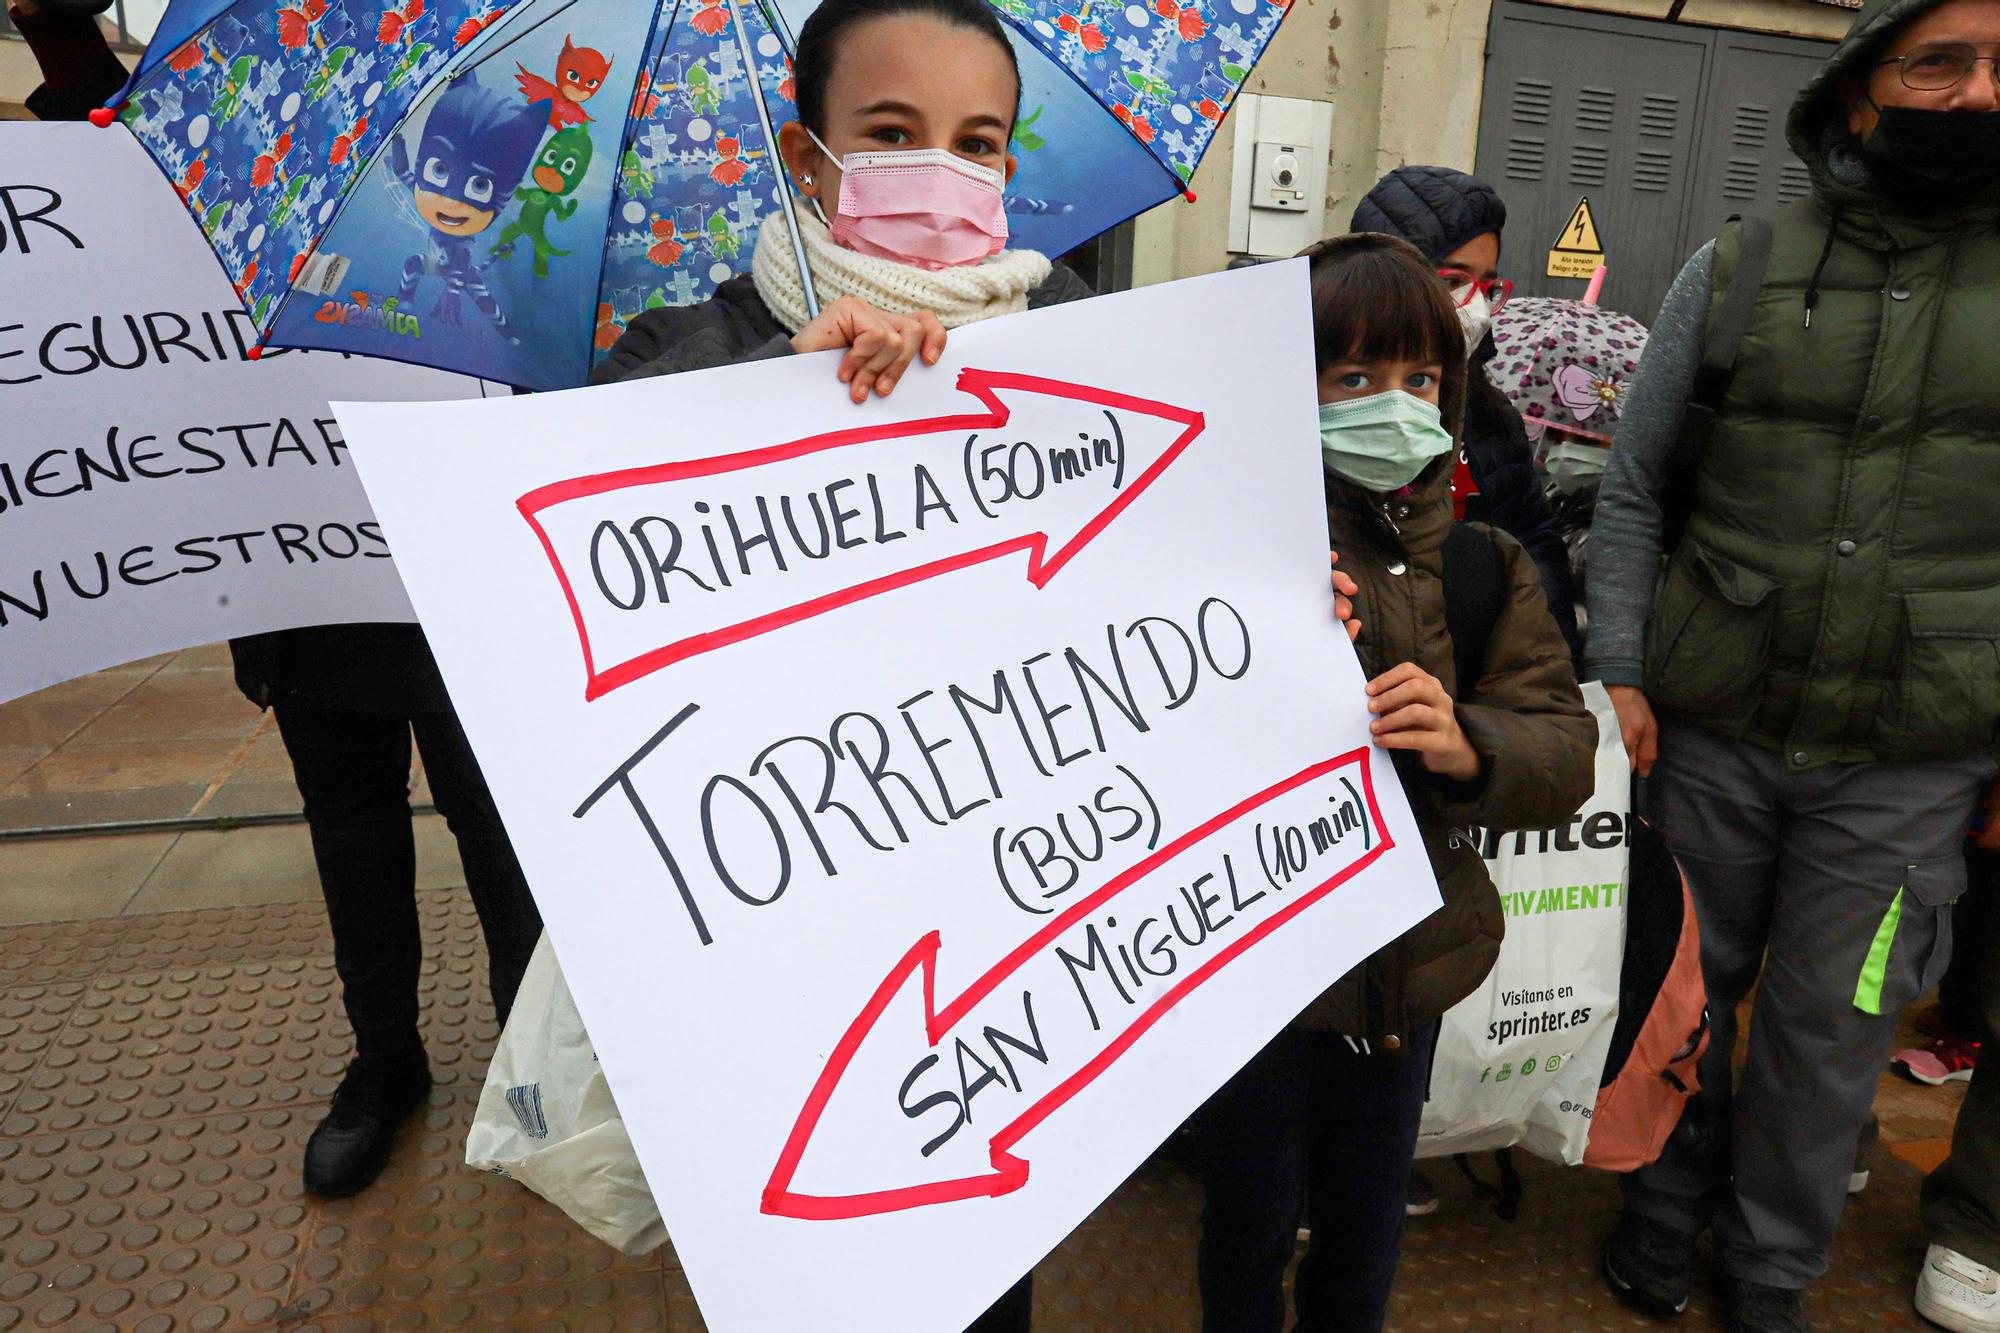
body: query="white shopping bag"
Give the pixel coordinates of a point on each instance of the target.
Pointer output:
(1518, 1060)
(546, 1118)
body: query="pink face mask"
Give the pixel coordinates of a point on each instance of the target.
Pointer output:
(922, 206)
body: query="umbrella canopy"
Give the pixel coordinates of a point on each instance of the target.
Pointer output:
(499, 189)
(1119, 102)
(455, 183)
(1565, 364)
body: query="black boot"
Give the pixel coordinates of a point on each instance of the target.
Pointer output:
(351, 1146)
(1755, 1307)
(1650, 1264)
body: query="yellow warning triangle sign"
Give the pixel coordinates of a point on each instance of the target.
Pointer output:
(1579, 234)
(1578, 251)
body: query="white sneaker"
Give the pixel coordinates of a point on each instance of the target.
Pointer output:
(1958, 1294)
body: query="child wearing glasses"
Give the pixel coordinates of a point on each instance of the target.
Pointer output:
(1456, 220)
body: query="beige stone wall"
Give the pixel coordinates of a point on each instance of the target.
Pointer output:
(18, 78)
(1404, 77)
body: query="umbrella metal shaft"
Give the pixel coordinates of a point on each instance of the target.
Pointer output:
(778, 161)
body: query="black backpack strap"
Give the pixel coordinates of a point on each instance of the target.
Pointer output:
(1721, 342)
(1475, 590)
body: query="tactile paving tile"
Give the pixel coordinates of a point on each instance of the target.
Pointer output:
(159, 1077)
(603, 1305)
(1130, 1267)
(1465, 1268)
(149, 1046)
(174, 941)
(41, 955)
(433, 1235)
(191, 1225)
(457, 1017)
(31, 1019)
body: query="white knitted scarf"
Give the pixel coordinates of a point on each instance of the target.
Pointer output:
(961, 295)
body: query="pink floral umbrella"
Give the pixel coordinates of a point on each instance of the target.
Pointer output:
(1566, 365)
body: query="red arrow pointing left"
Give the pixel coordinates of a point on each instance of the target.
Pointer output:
(989, 1166)
(1050, 531)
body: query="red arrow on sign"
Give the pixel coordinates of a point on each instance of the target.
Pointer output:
(1008, 1172)
(985, 385)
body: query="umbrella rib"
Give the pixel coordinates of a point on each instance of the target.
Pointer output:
(479, 55)
(142, 69)
(777, 162)
(642, 89)
(775, 16)
(1180, 186)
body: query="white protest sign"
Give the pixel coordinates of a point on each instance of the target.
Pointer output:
(157, 489)
(930, 802)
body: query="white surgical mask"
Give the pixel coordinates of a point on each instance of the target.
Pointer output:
(1381, 442)
(1476, 318)
(1575, 464)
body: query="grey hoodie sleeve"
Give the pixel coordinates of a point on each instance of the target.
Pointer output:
(1626, 526)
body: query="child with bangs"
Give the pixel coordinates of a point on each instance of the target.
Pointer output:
(1474, 696)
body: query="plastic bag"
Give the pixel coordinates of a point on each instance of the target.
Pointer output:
(1518, 1061)
(546, 1118)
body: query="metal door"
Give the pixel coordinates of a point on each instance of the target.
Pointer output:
(1745, 165)
(1666, 128)
(1586, 105)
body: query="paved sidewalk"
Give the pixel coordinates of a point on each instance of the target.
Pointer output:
(170, 1032)
(166, 738)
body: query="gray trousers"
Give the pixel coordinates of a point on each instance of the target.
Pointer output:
(1835, 885)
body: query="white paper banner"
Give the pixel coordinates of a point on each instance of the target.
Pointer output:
(931, 802)
(157, 489)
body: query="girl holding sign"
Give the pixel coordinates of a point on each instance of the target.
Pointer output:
(1489, 731)
(906, 108)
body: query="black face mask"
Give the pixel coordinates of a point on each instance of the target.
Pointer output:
(1940, 155)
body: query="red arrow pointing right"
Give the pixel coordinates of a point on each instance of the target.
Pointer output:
(1051, 531)
(1301, 797)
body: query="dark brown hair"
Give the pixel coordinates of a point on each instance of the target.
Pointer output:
(1376, 298)
(819, 43)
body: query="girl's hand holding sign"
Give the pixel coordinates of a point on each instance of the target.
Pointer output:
(880, 345)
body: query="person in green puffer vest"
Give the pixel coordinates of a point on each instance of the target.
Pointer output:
(1814, 688)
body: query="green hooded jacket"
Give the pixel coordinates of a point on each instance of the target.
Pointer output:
(1837, 595)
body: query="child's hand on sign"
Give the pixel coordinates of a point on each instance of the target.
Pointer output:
(1413, 712)
(880, 346)
(1344, 591)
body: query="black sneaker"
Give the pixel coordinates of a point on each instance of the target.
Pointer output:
(1756, 1308)
(351, 1146)
(1650, 1264)
(1420, 1197)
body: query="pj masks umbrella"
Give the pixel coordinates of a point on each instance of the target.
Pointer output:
(497, 189)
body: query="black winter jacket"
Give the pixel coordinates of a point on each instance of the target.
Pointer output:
(735, 325)
(1511, 497)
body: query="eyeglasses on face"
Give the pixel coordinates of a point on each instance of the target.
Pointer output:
(1464, 285)
(1934, 69)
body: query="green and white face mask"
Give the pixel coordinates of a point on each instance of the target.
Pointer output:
(1381, 442)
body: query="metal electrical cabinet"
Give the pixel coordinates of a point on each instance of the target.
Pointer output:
(1667, 129)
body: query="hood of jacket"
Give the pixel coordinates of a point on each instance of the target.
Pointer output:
(1817, 128)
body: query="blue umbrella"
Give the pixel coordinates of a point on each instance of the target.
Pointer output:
(498, 189)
